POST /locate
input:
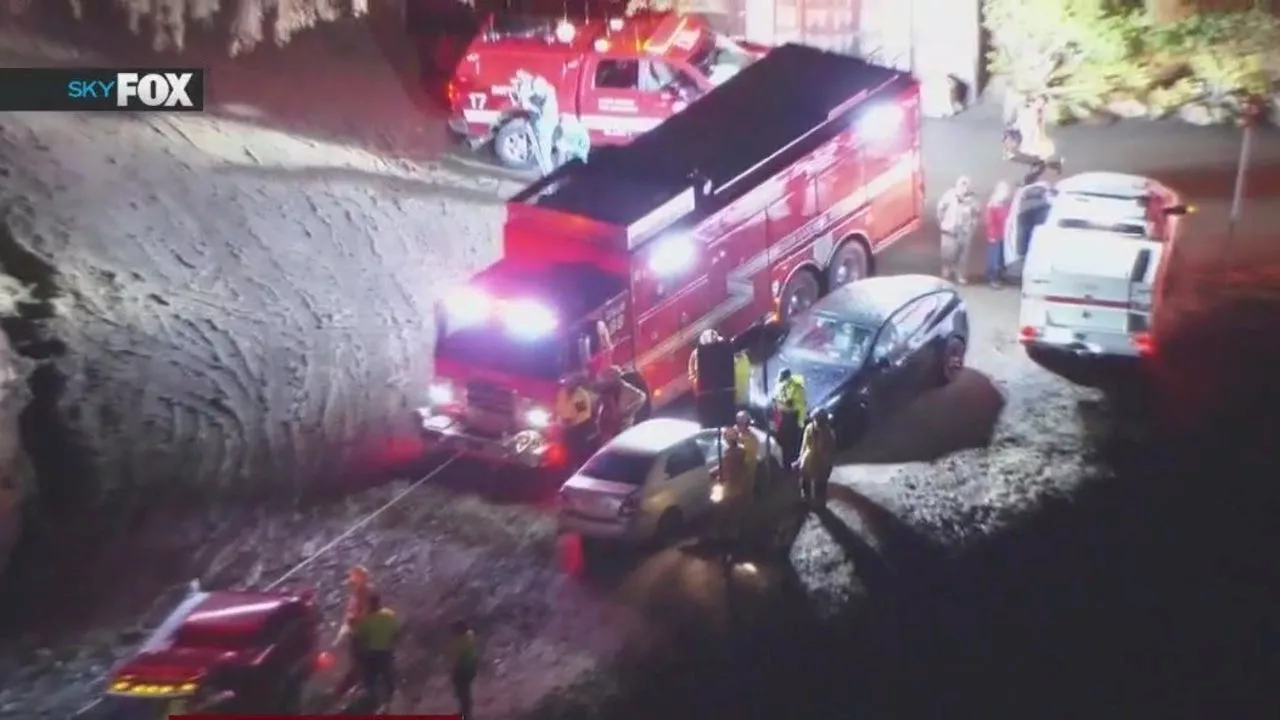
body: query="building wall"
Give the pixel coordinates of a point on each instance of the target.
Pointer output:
(933, 38)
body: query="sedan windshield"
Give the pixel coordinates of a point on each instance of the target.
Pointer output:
(619, 467)
(825, 338)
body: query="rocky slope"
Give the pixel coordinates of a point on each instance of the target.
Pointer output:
(235, 307)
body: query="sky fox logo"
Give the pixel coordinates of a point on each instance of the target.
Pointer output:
(140, 91)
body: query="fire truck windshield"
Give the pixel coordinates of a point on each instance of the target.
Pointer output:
(492, 348)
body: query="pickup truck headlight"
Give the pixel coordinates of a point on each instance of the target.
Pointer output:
(537, 418)
(440, 393)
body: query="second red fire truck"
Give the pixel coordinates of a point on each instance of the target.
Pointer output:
(779, 185)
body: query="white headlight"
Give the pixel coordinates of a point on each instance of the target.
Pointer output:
(440, 393)
(537, 418)
(528, 319)
(467, 306)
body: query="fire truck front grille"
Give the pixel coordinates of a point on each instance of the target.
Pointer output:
(491, 399)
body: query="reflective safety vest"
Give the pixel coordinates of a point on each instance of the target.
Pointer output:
(790, 396)
(742, 379)
(573, 406)
(377, 631)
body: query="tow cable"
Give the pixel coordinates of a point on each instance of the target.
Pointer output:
(305, 562)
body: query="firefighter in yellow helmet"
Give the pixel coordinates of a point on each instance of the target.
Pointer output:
(789, 404)
(706, 338)
(576, 416)
(741, 369)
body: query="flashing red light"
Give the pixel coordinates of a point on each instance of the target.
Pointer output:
(452, 93)
(555, 455)
(1144, 344)
(1028, 333)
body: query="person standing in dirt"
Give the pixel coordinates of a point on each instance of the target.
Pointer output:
(376, 634)
(751, 448)
(731, 475)
(359, 589)
(464, 663)
(997, 220)
(957, 221)
(817, 459)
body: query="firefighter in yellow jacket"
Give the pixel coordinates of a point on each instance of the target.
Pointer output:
(734, 497)
(817, 458)
(790, 405)
(751, 447)
(741, 369)
(575, 413)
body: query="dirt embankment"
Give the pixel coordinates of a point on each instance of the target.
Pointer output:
(234, 308)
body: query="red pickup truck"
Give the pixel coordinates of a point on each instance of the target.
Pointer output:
(614, 78)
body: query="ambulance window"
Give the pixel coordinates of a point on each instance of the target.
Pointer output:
(618, 74)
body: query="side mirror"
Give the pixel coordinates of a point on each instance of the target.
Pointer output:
(1179, 210)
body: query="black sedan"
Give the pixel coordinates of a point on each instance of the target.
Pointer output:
(868, 348)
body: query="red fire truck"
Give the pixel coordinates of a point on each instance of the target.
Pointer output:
(616, 78)
(772, 189)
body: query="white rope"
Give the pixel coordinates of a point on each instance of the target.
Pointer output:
(362, 522)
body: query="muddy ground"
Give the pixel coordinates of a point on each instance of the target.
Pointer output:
(243, 309)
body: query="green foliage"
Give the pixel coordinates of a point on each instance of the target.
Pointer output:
(1082, 53)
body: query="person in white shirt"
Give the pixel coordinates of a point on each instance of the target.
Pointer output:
(957, 221)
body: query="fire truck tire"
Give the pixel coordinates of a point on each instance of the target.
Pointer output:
(850, 262)
(801, 292)
(513, 144)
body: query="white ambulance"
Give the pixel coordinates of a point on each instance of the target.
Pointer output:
(1097, 249)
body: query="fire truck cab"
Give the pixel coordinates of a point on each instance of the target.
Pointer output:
(615, 78)
(219, 652)
(776, 187)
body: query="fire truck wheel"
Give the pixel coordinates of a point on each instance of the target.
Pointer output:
(848, 264)
(801, 293)
(513, 144)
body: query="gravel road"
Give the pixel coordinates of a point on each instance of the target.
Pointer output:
(246, 309)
